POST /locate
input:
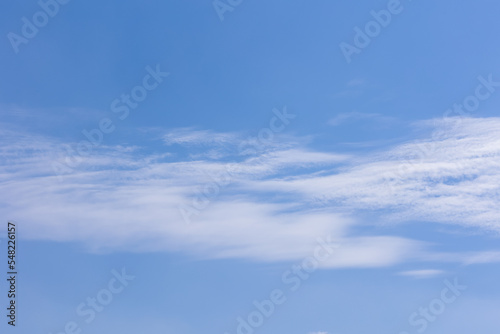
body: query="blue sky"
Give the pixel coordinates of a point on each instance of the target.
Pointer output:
(183, 163)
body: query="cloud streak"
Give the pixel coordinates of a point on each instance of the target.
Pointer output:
(281, 200)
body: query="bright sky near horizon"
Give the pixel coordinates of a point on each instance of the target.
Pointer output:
(244, 167)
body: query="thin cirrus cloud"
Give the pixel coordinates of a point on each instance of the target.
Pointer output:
(190, 136)
(358, 116)
(422, 273)
(274, 207)
(452, 177)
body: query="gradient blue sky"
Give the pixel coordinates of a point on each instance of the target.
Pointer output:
(370, 158)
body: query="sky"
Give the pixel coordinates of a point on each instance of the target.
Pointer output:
(241, 167)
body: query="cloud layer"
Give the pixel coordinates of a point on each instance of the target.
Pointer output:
(271, 205)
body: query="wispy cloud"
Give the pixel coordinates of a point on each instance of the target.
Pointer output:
(353, 88)
(190, 136)
(276, 207)
(452, 179)
(422, 273)
(357, 116)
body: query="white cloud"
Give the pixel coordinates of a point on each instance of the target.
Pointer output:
(353, 116)
(274, 207)
(452, 179)
(190, 136)
(423, 273)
